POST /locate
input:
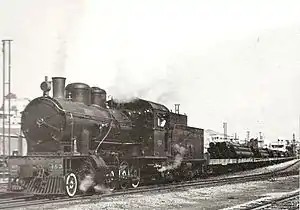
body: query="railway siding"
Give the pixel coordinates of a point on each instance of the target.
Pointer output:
(266, 202)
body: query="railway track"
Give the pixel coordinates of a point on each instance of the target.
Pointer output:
(26, 201)
(291, 203)
(289, 200)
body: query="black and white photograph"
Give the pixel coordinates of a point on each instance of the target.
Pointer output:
(152, 105)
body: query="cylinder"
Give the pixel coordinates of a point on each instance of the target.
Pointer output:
(79, 92)
(98, 97)
(58, 84)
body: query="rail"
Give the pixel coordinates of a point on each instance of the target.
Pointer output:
(267, 202)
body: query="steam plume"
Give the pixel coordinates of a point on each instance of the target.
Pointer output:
(102, 189)
(67, 17)
(86, 183)
(130, 52)
(178, 159)
(61, 55)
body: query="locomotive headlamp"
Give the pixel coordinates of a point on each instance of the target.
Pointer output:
(46, 86)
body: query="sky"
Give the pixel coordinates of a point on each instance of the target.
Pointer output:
(223, 61)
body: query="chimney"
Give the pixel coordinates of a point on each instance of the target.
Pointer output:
(58, 87)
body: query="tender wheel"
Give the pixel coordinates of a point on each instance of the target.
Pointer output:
(71, 184)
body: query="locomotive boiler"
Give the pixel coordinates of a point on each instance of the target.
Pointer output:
(60, 124)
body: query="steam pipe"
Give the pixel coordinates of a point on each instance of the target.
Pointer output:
(58, 87)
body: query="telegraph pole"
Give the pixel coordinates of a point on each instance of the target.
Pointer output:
(3, 101)
(9, 91)
(6, 92)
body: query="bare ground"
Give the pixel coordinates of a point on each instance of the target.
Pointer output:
(217, 197)
(192, 198)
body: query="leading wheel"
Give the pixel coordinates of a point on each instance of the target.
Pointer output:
(71, 184)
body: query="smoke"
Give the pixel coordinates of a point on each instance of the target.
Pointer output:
(67, 17)
(157, 82)
(88, 182)
(177, 160)
(60, 55)
(123, 58)
(161, 88)
(102, 189)
(124, 99)
(200, 53)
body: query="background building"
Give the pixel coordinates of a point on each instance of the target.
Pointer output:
(214, 136)
(17, 140)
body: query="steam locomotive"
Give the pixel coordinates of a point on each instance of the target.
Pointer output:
(77, 135)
